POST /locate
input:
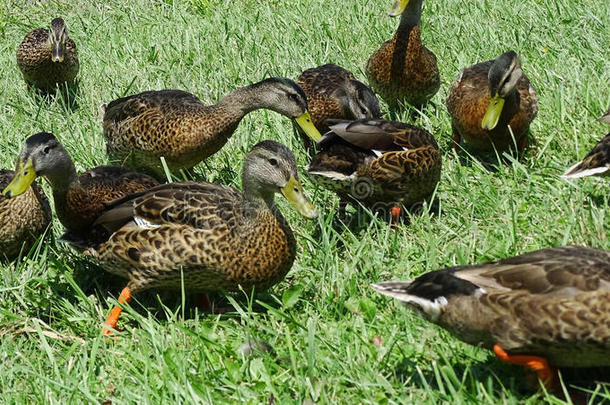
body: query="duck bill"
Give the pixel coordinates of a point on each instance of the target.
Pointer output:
(23, 179)
(293, 191)
(398, 7)
(304, 121)
(57, 55)
(492, 115)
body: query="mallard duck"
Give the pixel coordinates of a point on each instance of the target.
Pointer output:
(205, 236)
(79, 200)
(139, 129)
(334, 92)
(489, 97)
(403, 70)
(597, 161)
(382, 164)
(48, 58)
(547, 307)
(22, 219)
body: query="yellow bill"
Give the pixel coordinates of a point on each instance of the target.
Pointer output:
(23, 179)
(307, 126)
(398, 7)
(293, 191)
(492, 115)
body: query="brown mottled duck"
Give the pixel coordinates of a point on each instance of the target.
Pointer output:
(382, 164)
(79, 200)
(205, 236)
(543, 309)
(597, 161)
(403, 70)
(140, 129)
(48, 58)
(492, 102)
(23, 219)
(333, 92)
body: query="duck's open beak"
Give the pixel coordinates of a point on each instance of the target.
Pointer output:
(307, 126)
(492, 115)
(398, 7)
(23, 179)
(293, 191)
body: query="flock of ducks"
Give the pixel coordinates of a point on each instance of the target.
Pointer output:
(543, 309)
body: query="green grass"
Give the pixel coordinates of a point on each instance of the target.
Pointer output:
(324, 322)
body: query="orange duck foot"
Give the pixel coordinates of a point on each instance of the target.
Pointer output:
(396, 210)
(111, 321)
(544, 372)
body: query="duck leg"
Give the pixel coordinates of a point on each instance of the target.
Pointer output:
(456, 138)
(544, 372)
(111, 321)
(396, 210)
(522, 144)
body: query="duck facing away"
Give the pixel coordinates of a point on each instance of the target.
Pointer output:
(176, 125)
(597, 161)
(402, 70)
(22, 219)
(48, 57)
(381, 164)
(205, 236)
(487, 99)
(333, 92)
(79, 200)
(547, 307)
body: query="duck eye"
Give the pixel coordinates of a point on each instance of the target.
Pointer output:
(293, 97)
(273, 162)
(363, 111)
(46, 150)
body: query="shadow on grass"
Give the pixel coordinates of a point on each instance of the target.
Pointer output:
(66, 95)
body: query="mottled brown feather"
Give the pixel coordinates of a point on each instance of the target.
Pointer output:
(23, 219)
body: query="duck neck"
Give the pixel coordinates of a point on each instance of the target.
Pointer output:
(249, 98)
(410, 18)
(257, 199)
(61, 179)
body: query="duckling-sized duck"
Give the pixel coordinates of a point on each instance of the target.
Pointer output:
(48, 58)
(489, 97)
(597, 161)
(403, 70)
(79, 200)
(333, 92)
(205, 236)
(22, 219)
(543, 309)
(382, 164)
(140, 129)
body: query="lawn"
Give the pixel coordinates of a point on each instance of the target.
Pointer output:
(328, 337)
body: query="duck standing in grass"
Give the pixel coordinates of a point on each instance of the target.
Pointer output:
(48, 58)
(381, 164)
(176, 125)
(492, 105)
(543, 309)
(403, 70)
(79, 200)
(333, 92)
(22, 219)
(597, 161)
(207, 237)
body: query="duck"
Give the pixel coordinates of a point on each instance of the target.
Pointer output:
(23, 220)
(176, 125)
(491, 102)
(334, 93)
(384, 165)
(48, 57)
(205, 236)
(78, 199)
(597, 161)
(403, 70)
(545, 309)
